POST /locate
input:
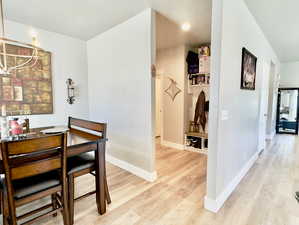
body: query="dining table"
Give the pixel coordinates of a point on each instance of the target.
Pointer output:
(78, 141)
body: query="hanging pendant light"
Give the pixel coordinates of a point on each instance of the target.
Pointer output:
(29, 57)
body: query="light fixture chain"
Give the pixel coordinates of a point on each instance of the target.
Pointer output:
(4, 65)
(5, 43)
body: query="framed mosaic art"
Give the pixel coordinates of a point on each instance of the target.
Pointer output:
(27, 91)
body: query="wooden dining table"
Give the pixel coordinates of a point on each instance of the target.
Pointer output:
(78, 142)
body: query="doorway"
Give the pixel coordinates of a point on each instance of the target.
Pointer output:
(176, 99)
(158, 96)
(287, 111)
(264, 107)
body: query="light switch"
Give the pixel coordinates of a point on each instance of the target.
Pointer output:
(224, 115)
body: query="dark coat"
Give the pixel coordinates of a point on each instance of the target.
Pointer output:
(200, 111)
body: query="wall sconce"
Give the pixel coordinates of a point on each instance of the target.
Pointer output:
(70, 91)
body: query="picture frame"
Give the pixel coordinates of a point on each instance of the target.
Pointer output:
(248, 70)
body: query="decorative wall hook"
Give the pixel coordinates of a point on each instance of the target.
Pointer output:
(70, 91)
(153, 71)
(172, 90)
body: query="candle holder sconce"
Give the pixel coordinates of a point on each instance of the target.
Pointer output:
(70, 91)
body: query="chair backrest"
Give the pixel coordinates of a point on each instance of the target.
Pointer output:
(88, 125)
(31, 157)
(26, 126)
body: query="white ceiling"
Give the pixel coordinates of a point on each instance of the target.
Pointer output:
(173, 13)
(279, 20)
(85, 19)
(170, 34)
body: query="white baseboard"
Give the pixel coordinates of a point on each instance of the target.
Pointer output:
(172, 145)
(270, 136)
(151, 177)
(215, 204)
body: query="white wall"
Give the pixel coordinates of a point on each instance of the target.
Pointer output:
(171, 64)
(289, 75)
(68, 61)
(121, 89)
(234, 140)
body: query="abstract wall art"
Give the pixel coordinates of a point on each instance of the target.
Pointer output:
(27, 91)
(248, 72)
(172, 90)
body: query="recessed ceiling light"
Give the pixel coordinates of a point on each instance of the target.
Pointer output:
(186, 27)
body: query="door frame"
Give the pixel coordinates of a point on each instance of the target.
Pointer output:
(278, 108)
(264, 105)
(161, 78)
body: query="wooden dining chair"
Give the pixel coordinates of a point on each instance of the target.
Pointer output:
(26, 126)
(34, 169)
(84, 163)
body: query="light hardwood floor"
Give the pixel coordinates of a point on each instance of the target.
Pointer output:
(264, 197)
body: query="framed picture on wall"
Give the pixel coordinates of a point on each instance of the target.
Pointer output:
(248, 72)
(27, 91)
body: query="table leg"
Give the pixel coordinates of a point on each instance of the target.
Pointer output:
(100, 178)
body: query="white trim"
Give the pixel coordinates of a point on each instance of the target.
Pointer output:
(215, 204)
(172, 145)
(211, 205)
(270, 136)
(149, 176)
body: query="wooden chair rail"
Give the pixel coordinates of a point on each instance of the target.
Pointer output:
(28, 158)
(78, 149)
(84, 134)
(83, 172)
(35, 168)
(87, 124)
(85, 195)
(26, 126)
(34, 145)
(32, 221)
(34, 211)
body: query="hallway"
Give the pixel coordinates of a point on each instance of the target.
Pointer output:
(266, 194)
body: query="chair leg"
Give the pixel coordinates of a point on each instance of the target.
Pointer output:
(1, 200)
(54, 203)
(107, 194)
(9, 212)
(108, 198)
(4, 208)
(65, 203)
(65, 212)
(100, 178)
(71, 190)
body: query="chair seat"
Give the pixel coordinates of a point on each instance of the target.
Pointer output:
(32, 185)
(80, 162)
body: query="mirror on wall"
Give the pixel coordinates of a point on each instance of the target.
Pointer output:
(287, 111)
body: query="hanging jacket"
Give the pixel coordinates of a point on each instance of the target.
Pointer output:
(200, 110)
(193, 62)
